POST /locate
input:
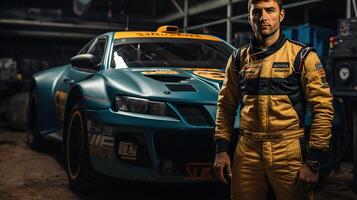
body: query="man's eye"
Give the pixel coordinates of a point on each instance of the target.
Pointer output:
(256, 12)
(271, 10)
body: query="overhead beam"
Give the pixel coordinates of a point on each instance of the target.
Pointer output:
(95, 26)
(177, 6)
(197, 9)
(229, 22)
(46, 34)
(348, 9)
(185, 19)
(238, 18)
(354, 7)
(301, 3)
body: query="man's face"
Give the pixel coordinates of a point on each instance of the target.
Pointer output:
(265, 18)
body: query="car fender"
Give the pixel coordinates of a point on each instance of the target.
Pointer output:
(45, 83)
(91, 92)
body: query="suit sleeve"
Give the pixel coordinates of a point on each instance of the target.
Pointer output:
(318, 95)
(226, 107)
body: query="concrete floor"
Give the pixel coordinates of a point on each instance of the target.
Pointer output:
(28, 174)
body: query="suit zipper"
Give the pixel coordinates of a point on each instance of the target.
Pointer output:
(269, 103)
(268, 106)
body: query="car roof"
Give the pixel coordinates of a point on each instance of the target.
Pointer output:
(163, 32)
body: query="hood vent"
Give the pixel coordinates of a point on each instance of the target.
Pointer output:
(168, 79)
(180, 88)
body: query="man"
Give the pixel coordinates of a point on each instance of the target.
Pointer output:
(273, 78)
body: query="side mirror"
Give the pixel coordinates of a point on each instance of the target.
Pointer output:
(87, 61)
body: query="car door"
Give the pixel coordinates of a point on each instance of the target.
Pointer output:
(76, 74)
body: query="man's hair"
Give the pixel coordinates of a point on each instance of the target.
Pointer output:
(250, 2)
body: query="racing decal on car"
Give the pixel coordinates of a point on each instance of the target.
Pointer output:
(160, 72)
(60, 101)
(143, 34)
(219, 76)
(214, 74)
(101, 145)
(199, 171)
(127, 150)
(96, 128)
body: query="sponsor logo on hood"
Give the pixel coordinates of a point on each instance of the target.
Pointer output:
(214, 74)
(160, 72)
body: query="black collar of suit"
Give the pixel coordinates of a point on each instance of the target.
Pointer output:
(260, 53)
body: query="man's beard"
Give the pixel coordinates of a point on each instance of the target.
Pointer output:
(264, 36)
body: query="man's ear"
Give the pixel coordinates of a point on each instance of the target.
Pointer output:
(282, 15)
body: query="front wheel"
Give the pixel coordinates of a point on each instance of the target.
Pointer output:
(81, 175)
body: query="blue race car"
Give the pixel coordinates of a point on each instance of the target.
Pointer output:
(133, 105)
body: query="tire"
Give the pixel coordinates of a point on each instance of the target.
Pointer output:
(33, 137)
(16, 111)
(80, 173)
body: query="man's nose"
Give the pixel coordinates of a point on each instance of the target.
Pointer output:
(263, 15)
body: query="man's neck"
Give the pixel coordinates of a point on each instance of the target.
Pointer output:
(266, 42)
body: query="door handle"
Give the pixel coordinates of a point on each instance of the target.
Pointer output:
(71, 82)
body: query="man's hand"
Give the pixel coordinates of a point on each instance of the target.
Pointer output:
(222, 162)
(307, 175)
(305, 181)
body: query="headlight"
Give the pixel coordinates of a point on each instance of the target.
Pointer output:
(138, 105)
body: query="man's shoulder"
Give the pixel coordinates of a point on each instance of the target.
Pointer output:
(300, 49)
(297, 43)
(243, 47)
(238, 51)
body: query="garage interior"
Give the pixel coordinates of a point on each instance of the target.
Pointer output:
(41, 34)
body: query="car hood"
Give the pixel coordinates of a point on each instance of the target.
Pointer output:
(194, 85)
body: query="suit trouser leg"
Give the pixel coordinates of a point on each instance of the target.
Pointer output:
(285, 160)
(249, 180)
(256, 164)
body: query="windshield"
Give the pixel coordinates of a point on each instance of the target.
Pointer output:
(170, 53)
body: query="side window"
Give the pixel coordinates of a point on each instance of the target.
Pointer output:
(86, 48)
(98, 50)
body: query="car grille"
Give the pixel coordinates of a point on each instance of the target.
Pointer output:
(181, 147)
(195, 115)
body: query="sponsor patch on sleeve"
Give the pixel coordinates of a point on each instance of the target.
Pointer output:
(324, 83)
(320, 69)
(319, 66)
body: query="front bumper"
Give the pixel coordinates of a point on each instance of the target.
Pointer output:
(150, 148)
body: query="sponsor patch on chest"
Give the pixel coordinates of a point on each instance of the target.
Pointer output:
(280, 65)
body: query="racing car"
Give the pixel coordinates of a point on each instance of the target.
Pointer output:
(134, 105)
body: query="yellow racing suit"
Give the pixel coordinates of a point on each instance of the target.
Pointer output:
(273, 86)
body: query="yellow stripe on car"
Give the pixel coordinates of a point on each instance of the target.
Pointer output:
(60, 100)
(163, 32)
